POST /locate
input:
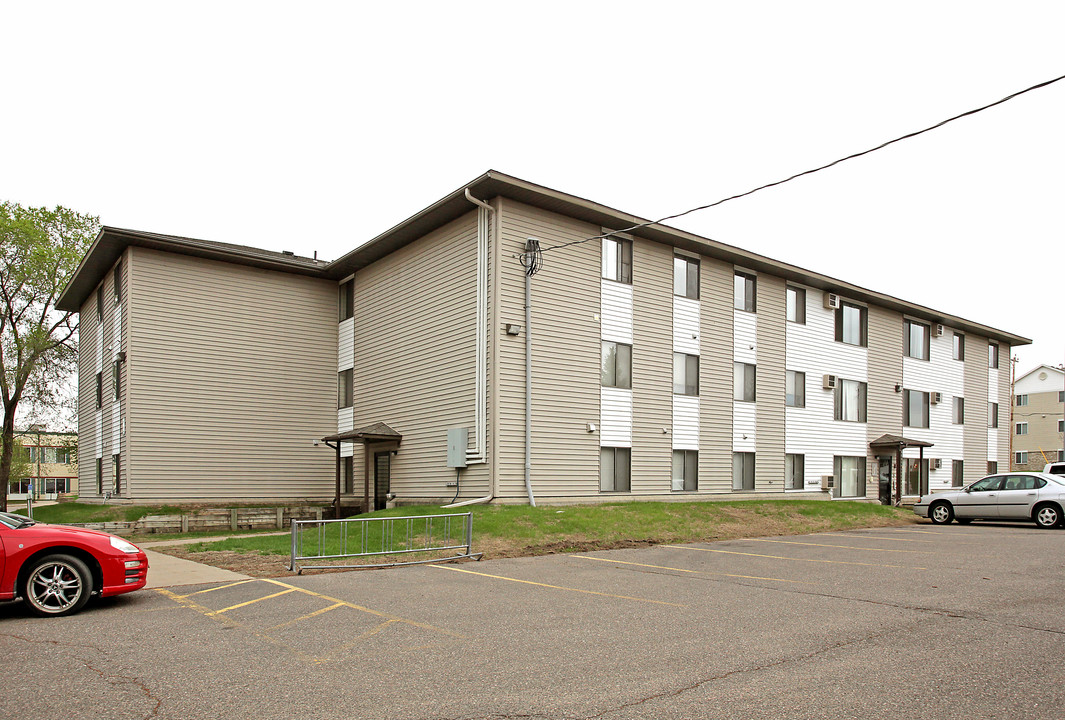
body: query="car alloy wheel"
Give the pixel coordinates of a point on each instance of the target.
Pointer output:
(941, 513)
(1047, 516)
(57, 585)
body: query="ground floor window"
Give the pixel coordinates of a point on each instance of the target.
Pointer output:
(957, 473)
(347, 475)
(849, 475)
(743, 471)
(916, 476)
(685, 469)
(99, 476)
(614, 469)
(19, 487)
(116, 477)
(1022, 458)
(794, 471)
(992, 467)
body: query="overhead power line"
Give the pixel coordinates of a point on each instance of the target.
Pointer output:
(811, 171)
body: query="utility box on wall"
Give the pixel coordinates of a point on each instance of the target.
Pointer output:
(456, 447)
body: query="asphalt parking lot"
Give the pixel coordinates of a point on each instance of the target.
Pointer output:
(915, 622)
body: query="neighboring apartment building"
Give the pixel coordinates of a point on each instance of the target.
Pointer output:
(1038, 408)
(663, 364)
(51, 464)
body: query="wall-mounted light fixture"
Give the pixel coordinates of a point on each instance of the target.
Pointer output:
(898, 387)
(591, 427)
(513, 329)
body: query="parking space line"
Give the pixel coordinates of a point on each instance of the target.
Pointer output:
(782, 557)
(939, 532)
(217, 587)
(251, 602)
(558, 587)
(842, 547)
(685, 570)
(308, 616)
(877, 537)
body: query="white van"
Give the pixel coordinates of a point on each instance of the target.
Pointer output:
(1055, 468)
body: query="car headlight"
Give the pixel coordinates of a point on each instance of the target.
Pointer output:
(123, 546)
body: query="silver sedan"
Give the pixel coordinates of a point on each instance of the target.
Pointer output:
(1031, 496)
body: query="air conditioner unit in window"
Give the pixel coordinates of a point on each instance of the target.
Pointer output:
(829, 382)
(939, 331)
(934, 397)
(935, 463)
(826, 483)
(831, 301)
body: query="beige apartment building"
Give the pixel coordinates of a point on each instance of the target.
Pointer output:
(51, 464)
(662, 365)
(1038, 407)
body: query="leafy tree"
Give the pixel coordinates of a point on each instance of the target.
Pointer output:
(39, 252)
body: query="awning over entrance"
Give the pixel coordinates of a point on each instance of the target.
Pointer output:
(892, 442)
(378, 434)
(889, 444)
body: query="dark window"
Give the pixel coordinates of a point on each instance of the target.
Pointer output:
(795, 389)
(99, 476)
(915, 340)
(992, 466)
(744, 298)
(116, 475)
(118, 283)
(686, 277)
(347, 300)
(992, 355)
(743, 382)
(959, 346)
(850, 400)
(796, 304)
(849, 476)
(616, 368)
(617, 259)
(794, 471)
(347, 475)
(614, 463)
(1022, 458)
(957, 473)
(100, 303)
(345, 388)
(992, 415)
(958, 417)
(685, 374)
(743, 471)
(99, 390)
(116, 379)
(914, 408)
(1022, 428)
(852, 324)
(1022, 400)
(685, 470)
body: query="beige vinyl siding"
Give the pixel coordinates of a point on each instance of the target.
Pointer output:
(232, 373)
(415, 357)
(975, 434)
(769, 397)
(884, 405)
(1005, 426)
(566, 349)
(87, 327)
(652, 367)
(715, 375)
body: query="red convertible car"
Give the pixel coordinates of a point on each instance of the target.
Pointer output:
(55, 568)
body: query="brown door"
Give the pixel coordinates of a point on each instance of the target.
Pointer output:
(382, 468)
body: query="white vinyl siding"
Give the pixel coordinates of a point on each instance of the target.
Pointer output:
(745, 337)
(686, 322)
(346, 344)
(615, 420)
(616, 312)
(685, 422)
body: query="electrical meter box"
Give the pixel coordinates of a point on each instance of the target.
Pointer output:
(456, 447)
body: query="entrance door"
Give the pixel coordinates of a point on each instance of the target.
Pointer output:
(886, 464)
(382, 469)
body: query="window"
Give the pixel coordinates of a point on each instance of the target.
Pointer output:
(116, 484)
(614, 469)
(795, 389)
(116, 377)
(743, 471)
(100, 303)
(347, 300)
(347, 475)
(992, 467)
(744, 296)
(958, 412)
(1022, 400)
(62, 456)
(957, 473)
(99, 476)
(916, 477)
(849, 476)
(685, 374)
(1061, 454)
(617, 259)
(685, 470)
(118, 283)
(686, 277)
(850, 400)
(99, 390)
(959, 346)
(796, 304)
(915, 340)
(616, 370)
(345, 388)
(794, 472)
(1022, 458)
(743, 382)
(1061, 425)
(1022, 428)
(914, 408)
(1061, 395)
(992, 415)
(852, 324)
(992, 355)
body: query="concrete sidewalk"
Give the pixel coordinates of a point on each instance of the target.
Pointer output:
(168, 571)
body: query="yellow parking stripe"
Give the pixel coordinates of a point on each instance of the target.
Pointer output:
(252, 602)
(558, 587)
(843, 547)
(876, 537)
(308, 616)
(782, 557)
(219, 587)
(697, 572)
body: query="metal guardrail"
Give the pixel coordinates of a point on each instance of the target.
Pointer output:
(318, 540)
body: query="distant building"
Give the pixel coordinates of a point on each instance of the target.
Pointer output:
(53, 464)
(1038, 415)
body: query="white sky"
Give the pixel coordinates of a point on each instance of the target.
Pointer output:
(318, 125)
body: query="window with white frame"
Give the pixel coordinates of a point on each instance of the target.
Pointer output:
(1021, 429)
(915, 339)
(1022, 400)
(346, 300)
(743, 471)
(992, 415)
(849, 475)
(1022, 458)
(685, 470)
(957, 473)
(614, 467)
(852, 324)
(743, 382)
(616, 370)
(992, 355)
(850, 400)
(744, 297)
(345, 388)
(914, 408)
(796, 304)
(795, 389)
(686, 276)
(1061, 426)
(959, 346)
(958, 411)
(1061, 395)
(794, 471)
(617, 259)
(685, 374)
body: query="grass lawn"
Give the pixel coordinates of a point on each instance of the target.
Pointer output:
(66, 513)
(516, 530)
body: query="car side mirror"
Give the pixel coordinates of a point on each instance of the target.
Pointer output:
(968, 489)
